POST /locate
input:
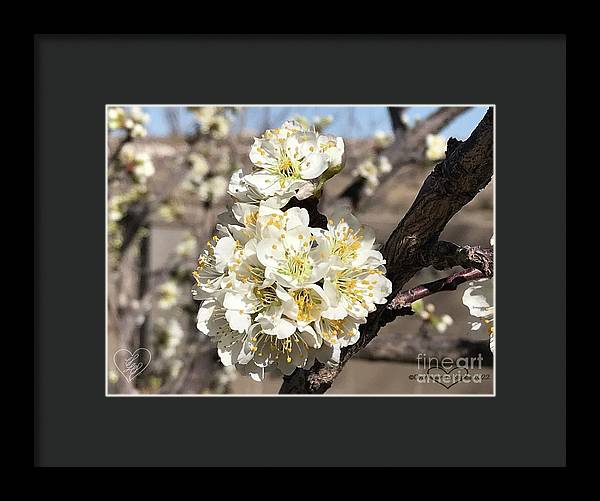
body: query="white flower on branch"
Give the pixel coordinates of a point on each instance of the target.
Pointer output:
(370, 170)
(168, 293)
(406, 120)
(479, 298)
(139, 165)
(382, 139)
(427, 313)
(385, 165)
(116, 118)
(199, 166)
(117, 209)
(436, 147)
(208, 181)
(288, 158)
(187, 246)
(170, 335)
(246, 193)
(212, 189)
(133, 121)
(213, 120)
(278, 294)
(444, 322)
(170, 211)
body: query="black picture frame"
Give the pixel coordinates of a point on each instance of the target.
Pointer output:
(76, 76)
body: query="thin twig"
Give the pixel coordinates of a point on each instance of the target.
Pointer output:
(400, 305)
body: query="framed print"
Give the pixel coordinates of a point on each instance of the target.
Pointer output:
(239, 235)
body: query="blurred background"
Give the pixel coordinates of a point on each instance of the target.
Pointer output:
(167, 172)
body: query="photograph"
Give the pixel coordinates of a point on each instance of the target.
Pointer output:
(300, 250)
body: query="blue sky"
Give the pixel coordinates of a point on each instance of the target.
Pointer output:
(348, 121)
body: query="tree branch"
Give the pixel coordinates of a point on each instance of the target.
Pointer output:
(114, 156)
(454, 182)
(400, 305)
(409, 146)
(398, 125)
(477, 263)
(448, 255)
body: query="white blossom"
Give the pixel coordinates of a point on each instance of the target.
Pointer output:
(169, 211)
(427, 313)
(385, 165)
(138, 164)
(116, 118)
(436, 147)
(479, 298)
(278, 294)
(171, 335)
(288, 158)
(199, 166)
(370, 169)
(168, 292)
(187, 246)
(134, 120)
(212, 120)
(382, 139)
(245, 192)
(443, 323)
(217, 186)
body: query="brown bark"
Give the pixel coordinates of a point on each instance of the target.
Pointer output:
(401, 304)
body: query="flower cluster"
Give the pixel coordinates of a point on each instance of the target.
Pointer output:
(170, 334)
(117, 209)
(133, 121)
(288, 162)
(208, 181)
(478, 298)
(187, 246)
(138, 164)
(382, 139)
(213, 120)
(427, 313)
(277, 293)
(167, 294)
(170, 210)
(370, 169)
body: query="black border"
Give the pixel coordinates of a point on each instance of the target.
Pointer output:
(76, 425)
